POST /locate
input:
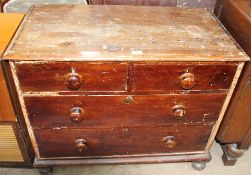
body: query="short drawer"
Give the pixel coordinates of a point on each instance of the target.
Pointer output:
(94, 111)
(120, 141)
(183, 76)
(72, 76)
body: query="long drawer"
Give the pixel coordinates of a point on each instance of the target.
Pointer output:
(72, 76)
(53, 143)
(168, 77)
(121, 110)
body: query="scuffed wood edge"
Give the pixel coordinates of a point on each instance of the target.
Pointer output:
(125, 156)
(23, 108)
(205, 157)
(17, 33)
(224, 107)
(241, 51)
(127, 58)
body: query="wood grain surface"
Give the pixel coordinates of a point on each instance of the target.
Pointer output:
(122, 33)
(106, 77)
(107, 80)
(120, 141)
(236, 126)
(135, 2)
(103, 111)
(166, 77)
(179, 3)
(52, 76)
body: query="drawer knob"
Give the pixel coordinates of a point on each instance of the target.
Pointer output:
(169, 141)
(179, 111)
(76, 114)
(73, 80)
(187, 81)
(81, 145)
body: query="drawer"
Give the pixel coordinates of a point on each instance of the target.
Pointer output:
(183, 76)
(90, 111)
(120, 141)
(72, 76)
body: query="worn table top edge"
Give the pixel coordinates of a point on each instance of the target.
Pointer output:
(241, 57)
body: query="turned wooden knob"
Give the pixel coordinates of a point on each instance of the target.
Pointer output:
(76, 114)
(169, 141)
(179, 111)
(81, 145)
(73, 80)
(187, 81)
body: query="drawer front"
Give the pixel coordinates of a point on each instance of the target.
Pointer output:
(120, 141)
(89, 111)
(72, 76)
(185, 76)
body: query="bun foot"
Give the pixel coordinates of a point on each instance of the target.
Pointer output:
(198, 166)
(44, 171)
(230, 154)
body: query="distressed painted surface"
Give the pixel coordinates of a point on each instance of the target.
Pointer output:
(76, 32)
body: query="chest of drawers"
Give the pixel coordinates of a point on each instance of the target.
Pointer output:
(122, 84)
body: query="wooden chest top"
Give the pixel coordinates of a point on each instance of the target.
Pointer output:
(121, 33)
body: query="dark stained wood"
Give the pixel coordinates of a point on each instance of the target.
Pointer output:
(238, 13)
(100, 111)
(236, 126)
(179, 3)
(79, 88)
(120, 141)
(113, 76)
(125, 160)
(168, 77)
(237, 123)
(123, 33)
(54, 76)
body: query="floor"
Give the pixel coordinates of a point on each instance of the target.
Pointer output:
(214, 167)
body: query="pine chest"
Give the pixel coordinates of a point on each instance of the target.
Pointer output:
(122, 84)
